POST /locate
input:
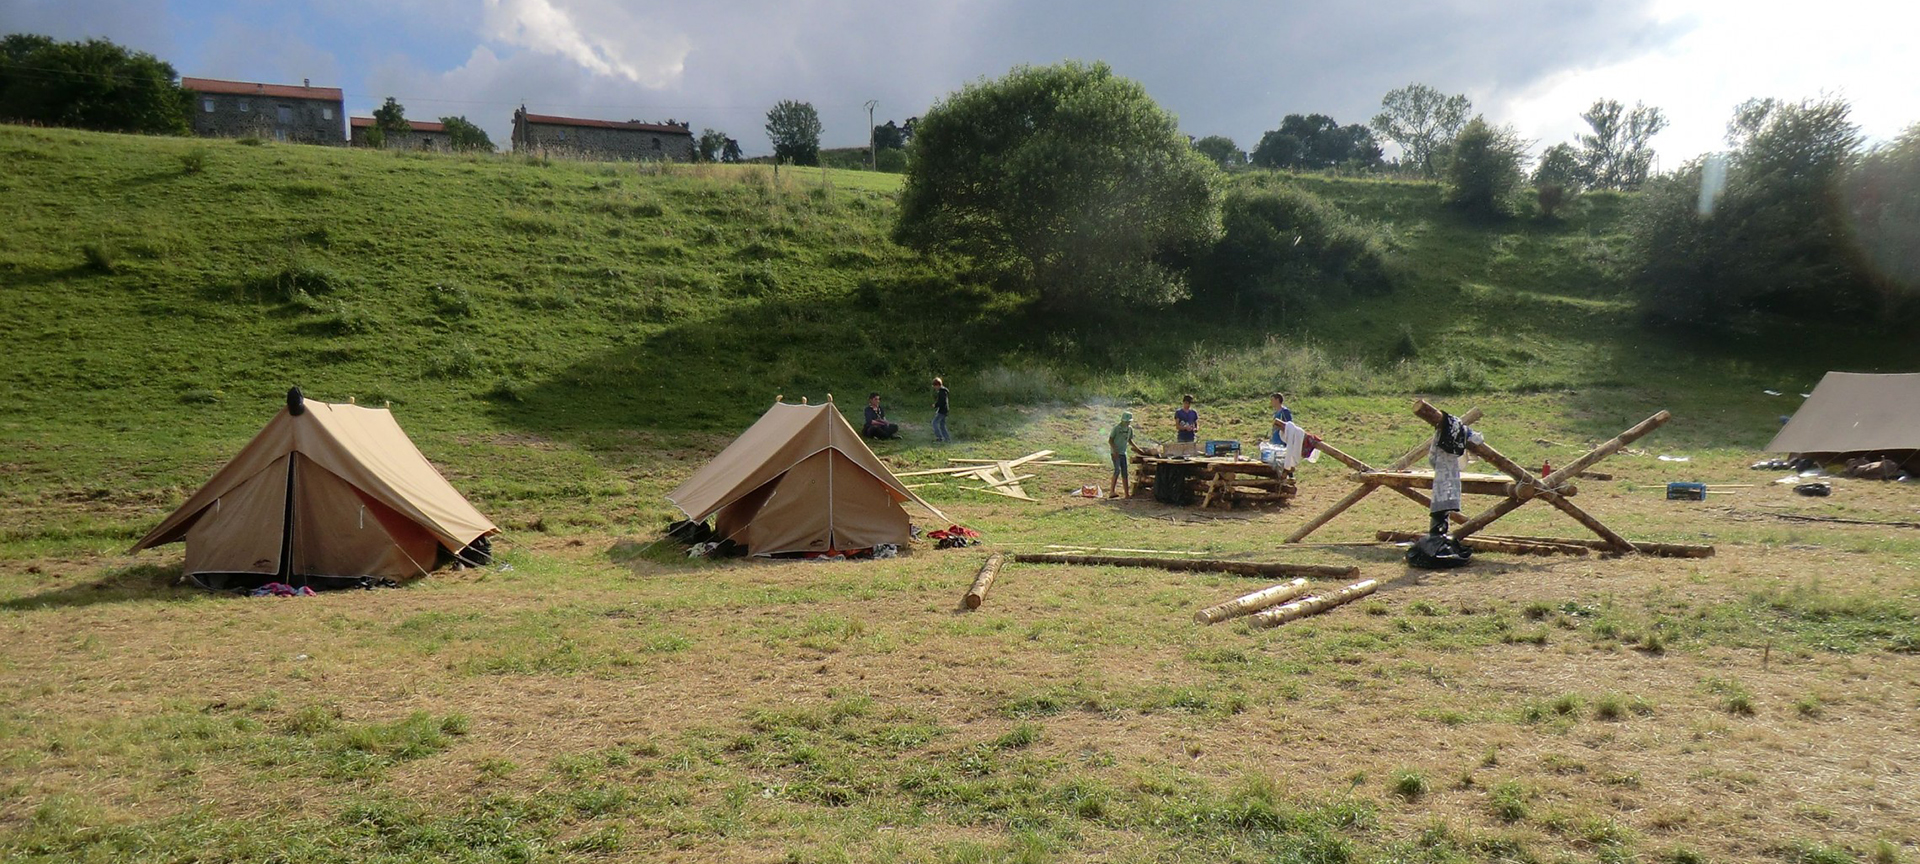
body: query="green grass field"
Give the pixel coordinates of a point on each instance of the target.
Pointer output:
(569, 341)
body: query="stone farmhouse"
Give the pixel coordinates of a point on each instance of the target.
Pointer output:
(601, 139)
(425, 135)
(282, 112)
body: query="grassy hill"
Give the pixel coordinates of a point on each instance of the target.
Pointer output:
(568, 341)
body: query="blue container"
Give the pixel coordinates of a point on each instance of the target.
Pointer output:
(1222, 448)
(1686, 491)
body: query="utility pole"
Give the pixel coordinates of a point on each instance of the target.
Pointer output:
(873, 156)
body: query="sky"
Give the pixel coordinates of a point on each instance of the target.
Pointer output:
(1229, 67)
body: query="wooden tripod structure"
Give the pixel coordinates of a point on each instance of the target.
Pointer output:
(1515, 488)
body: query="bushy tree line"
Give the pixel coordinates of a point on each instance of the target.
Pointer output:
(93, 84)
(1797, 219)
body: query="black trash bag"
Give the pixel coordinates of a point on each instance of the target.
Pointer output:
(1437, 552)
(687, 532)
(1170, 484)
(479, 553)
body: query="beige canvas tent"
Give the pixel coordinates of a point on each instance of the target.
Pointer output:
(1852, 414)
(324, 493)
(799, 480)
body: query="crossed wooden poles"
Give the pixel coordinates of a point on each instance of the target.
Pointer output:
(1515, 489)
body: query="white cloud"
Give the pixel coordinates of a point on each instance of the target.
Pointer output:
(614, 43)
(1734, 50)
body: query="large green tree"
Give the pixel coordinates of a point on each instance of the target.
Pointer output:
(1882, 200)
(1423, 121)
(391, 119)
(794, 129)
(1618, 153)
(1316, 142)
(1762, 231)
(89, 85)
(1068, 179)
(1222, 151)
(465, 137)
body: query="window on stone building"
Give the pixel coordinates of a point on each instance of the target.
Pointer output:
(206, 105)
(245, 105)
(285, 114)
(326, 113)
(656, 144)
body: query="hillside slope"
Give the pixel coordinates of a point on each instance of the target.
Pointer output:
(562, 332)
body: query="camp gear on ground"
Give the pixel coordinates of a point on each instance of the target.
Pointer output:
(1686, 491)
(1221, 448)
(324, 495)
(799, 480)
(1815, 490)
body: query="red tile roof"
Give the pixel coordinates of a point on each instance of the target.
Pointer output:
(272, 91)
(418, 125)
(550, 120)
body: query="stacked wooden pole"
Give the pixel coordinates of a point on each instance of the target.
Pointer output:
(1314, 605)
(1205, 565)
(1250, 603)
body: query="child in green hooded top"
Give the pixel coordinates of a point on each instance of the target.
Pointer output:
(1119, 441)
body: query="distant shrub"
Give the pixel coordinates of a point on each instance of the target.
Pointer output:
(1279, 241)
(295, 282)
(451, 301)
(200, 396)
(1484, 178)
(756, 280)
(344, 319)
(1410, 784)
(98, 259)
(194, 161)
(459, 361)
(249, 141)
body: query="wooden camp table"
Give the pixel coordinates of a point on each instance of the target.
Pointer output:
(1219, 481)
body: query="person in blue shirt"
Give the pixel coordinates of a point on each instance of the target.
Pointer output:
(1282, 415)
(1186, 421)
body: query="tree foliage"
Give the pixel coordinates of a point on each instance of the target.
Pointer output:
(1774, 238)
(1280, 243)
(1617, 153)
(708, 146)
(1222, 151)
(1881, 197)
(730, 152)
(465, 137)
(93, 84)
(1557, 179)
(1423, 121)
(1484, 175)
(1316, 142)
(794, 129)
(391, 119)
(892, 136)
(1067, 179)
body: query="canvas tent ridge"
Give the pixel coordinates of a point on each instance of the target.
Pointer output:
(1853, 414)
(800, 479)
(325, 494)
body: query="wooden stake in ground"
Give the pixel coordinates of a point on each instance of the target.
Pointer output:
(1248, 604)
(983, 581)
(1244, 568)
(1315, 605)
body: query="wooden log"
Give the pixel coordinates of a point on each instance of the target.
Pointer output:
(1619, 543)
(1513, 469)
(1342, 457)
(1488, 544)
(1019, 496)
(1487, 517)
(983, 580)
(1204, 565)
(1468, 486)
(1326, 516)
(1247, 604)
(1613, 446)
(997, 482)
(1314, 605)
(1660, 550)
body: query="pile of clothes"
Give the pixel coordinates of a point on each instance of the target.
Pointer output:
(281, 589)
(954, 537)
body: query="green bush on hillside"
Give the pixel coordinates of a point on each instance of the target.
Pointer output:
(1067, 180)
(1279, 242)
(1484, 177)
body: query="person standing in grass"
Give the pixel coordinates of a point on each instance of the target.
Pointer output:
(1186, 421)
(1119, 442)
(940, 412)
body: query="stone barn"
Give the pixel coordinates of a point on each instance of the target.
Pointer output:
(610, 140)
(281, 112)
(425, 135)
